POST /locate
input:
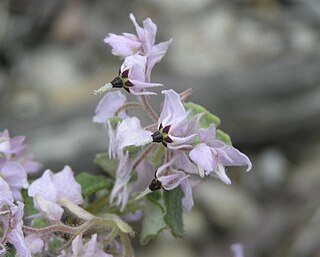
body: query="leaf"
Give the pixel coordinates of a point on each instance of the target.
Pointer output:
(173, 214)
(92, 183)
(28, 203)
(207, 118)
(153, 222)
(223, 137)
(107, 164)
(114, 120)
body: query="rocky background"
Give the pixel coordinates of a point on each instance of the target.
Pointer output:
(254, 63)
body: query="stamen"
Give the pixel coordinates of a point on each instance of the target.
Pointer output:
(103, 89)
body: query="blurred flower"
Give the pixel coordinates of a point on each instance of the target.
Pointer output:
(11, 219)
(108, 106)
(13, 149)
(212, 155)
(16, 177)
(89, 249)
(237, 250)
(49, 188)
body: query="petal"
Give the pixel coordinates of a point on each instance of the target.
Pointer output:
(130, 132)
(136, 65)
(51, 210)
(44, 186)
(140, 31)
(150, 31)
(202, 156)
(16, 238)
(5, 192)
(207, 135)
(67, 187)
(187, 200)
(235, 157)
(145, 172)
(172, 108)
(123, 46)
(34, 243)
(172, 181)
(221, 173)
(237, 250)
(108, 105)
(182, 162)
(15, 175)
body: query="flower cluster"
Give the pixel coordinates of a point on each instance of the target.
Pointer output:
(188, 150)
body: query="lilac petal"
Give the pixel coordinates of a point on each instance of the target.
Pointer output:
(182, 162)
(92, 248)
(181, 142)
(150, 31)
(172, 108)
(172, 181)
(130, 132)
(136, 65)
(51, 210)
(16, 238)
(221, 173)
(17, 146)
(5, 192)
(187, 200)
(5, 148)
(44, 186)
(113, 145)
(145, 172)
(67, 187)
(235, 157)
(108, 105)
(34, 243)
(140, 31)
(123, 46)
(203, 157)
(30, 165)
(156, 54)
(162, 169)
(207, 135)
(14, 174)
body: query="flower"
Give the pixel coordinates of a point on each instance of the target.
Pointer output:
(13, 149)
(129, 44)
(49, 188)
(212, 155)
(237, 250)
(169, 178)
(89, 249)
(127, 133)
(11, 219)
(175, 131)
(16, 177)
(108, 105)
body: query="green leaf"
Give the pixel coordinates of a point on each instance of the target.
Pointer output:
(54, 245)
(153, 222)
(173, 214)
(223, 137)
(207, 118)
(28, 203)
(114, 120)
(92, 183)
(107, 164)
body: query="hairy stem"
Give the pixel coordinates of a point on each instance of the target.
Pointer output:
(142, 155)
(147, 106)
(185, 94)
(128, 105)
(50, 229)
(127, 248)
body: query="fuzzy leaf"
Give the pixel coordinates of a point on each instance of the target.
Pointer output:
(153, 222)
(174, 210)
(28, 203)
(92, 183)
(114, 120)
(107, 164)
(207, 118)
(223, 137)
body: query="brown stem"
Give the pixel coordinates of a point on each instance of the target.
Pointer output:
(142, 155)
(50, 229)
(152, 127)
(185, 94)
(128, 106)
(147, 106)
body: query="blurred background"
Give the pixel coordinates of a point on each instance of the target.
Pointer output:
(254, 63)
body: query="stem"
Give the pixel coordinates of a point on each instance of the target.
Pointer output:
(142, 155)
(185, 94)
(127, 106)
(167, 159)
(147, 106)
(102, 89)
(127, 249)
(113, 233)
(50, 229)
(151, 127)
